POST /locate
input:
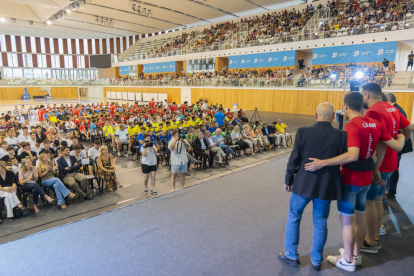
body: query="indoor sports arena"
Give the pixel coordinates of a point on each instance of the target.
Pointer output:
(206, 137)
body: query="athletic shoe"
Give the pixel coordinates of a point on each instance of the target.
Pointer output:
(286, 260)
(153, 192)
(378, 244)
(146, 190)
(288, 145)
(357, 259)
(369, 249)
(340, 262)
(382, 230)
(119, 154)
(129, 152)
(385, 200)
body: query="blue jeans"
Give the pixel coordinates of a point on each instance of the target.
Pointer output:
(321, 210)
(227, 150)
(354, 199)
(377, 191)
(60, 190)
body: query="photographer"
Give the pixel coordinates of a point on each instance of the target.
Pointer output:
(149, 162)
(178, 146)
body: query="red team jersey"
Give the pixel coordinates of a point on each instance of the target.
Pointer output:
(393, 120)
(363, 133)
(41, 115)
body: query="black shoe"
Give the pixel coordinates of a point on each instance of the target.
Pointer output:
(205, 167)
(188, 173)
(82, 199)
(390, 195)
(285, 259)
(198, 162)
(88, 197)
(316, 267)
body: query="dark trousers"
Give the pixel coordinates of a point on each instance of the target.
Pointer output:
(272, 140)
(393, 180)
(241, 145)
(205, 156)
(35, 189)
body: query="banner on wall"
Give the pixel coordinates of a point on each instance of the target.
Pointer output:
(124, 70)
(274, 59)
(26, 95)
(161, 67)
(372, 52)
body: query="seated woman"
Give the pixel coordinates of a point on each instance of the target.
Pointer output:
(248, 139)
(237, 139)
(106, 169)
(27, 178)
(8, 191)
(47, 171)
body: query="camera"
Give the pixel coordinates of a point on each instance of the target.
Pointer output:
(182, 136)
(148, 144)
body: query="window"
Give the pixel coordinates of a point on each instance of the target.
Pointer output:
(1, 60)
(3, 42)
(69, 46)
(85, 47)
(24, 50)
(13, 43)
(33, 43)
(42, 45)
(27, 61)
(52, 46)
(100, 47)
(108, 46)
(93, 47)
(55, 61)
(68, 62)
(127, 42)
(77, 46)
(17, 73)
(28, 73)
(80, 61)
(60, 42)
(122, 46)
(115, 47)
(8, 73)
(37, 73)
(41, 61)
(12, 58)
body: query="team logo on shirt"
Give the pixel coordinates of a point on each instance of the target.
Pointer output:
(366, 125)
(392, 109)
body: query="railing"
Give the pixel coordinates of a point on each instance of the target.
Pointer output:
(242, 40)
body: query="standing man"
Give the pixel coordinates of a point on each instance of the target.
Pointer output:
(178, 147)
(386, 64)
(322, 141)
(408, 147)
(149, 163)
(301, 63)
(410, 61)
(387, 161)
(220, 117)
(282, 129)
(363, 135)
(41, 115)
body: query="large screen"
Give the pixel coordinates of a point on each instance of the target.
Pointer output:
(100, 61)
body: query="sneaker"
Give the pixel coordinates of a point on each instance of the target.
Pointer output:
(378, 244)
(129, 152)
(390, 195)
(153, 192)
(382, 230)
(340, 262)
(278, 147)
(357, 259)
(385, 200)
(119, 154)
(369, 249)
(146, 190)
(288, 145)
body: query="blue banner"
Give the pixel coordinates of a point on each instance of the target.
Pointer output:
(274, 59)
(124, 70)
(26, 95)
(372, 52)
(161, 67)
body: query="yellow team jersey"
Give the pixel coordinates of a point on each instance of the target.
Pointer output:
(198, 121)
(164, 128)
(173, 126)
(149, 128)
(155, 125)
(108, 130)
(136, 130)
(130, 131)
(53, 119)
(281, 128)
(191, 123)
(116, 128)
(185, 124)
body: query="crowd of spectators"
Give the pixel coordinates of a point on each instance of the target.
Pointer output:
(67, 149)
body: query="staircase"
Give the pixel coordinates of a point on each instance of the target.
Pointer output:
(402, 80)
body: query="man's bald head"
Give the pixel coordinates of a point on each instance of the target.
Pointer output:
(325, 112)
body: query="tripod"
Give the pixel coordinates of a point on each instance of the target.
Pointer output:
(255, 115)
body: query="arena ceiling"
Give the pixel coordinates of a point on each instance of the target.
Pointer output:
(92, 19)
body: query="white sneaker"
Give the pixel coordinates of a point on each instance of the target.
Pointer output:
(146, 190)
(357, 259)
(382, 230)
(119, 154)
(341, 263)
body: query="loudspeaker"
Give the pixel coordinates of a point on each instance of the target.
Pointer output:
(354, 86)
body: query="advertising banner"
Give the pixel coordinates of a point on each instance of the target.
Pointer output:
(372, 52)
(124, 70)
(273, 59)
(161, 67)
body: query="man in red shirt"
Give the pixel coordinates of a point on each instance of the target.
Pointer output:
(173, 108)
(112, 110)
(387, 161)
(152, 103)
(363, 135)
(76, 112)
(184, 107)
(41, 115)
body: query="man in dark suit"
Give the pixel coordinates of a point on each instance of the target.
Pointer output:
(321, 186)
(70, 175)
(270, 133)
(408, 147)
(201, 148)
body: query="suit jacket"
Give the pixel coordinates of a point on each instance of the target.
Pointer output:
(62, 164)
(321, 141)
(271, 130)
(408, 146)
(197, 146)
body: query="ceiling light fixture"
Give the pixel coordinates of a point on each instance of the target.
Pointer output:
(49, 22)
(2, 20)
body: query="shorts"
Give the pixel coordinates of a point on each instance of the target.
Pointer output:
(147, 169)
(123, 141)
(179, 168)
(377, 191)
(354, 198)
(410, 63)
